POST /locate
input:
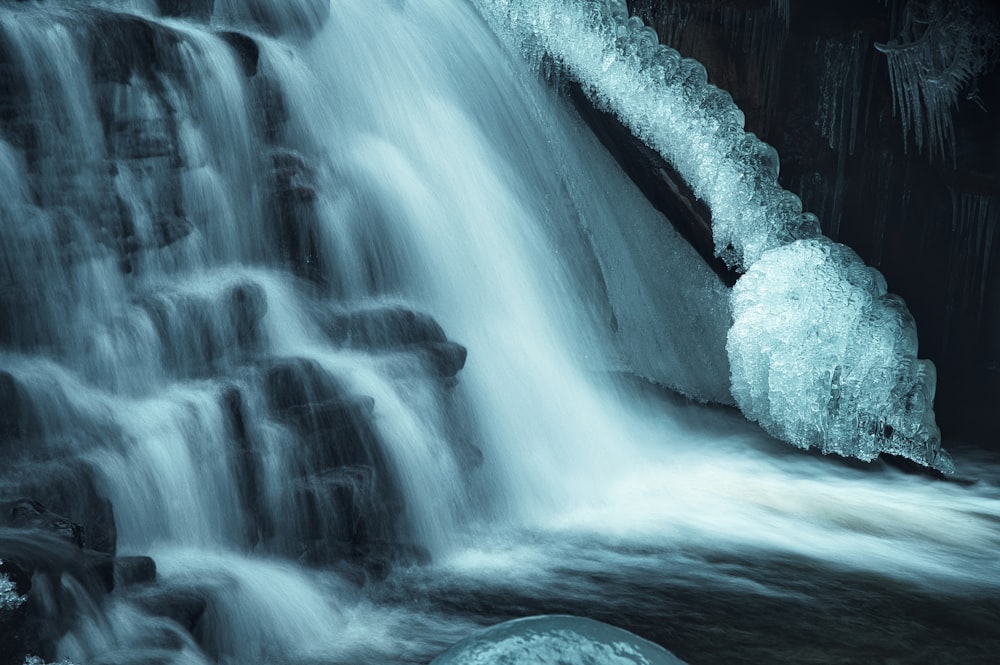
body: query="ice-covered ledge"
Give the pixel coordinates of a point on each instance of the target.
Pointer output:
(820, 354)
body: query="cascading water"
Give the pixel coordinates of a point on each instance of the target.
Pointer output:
(325, 309)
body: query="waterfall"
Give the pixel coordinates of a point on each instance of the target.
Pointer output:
(324, 307)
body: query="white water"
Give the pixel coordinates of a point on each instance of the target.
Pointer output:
(448, 180)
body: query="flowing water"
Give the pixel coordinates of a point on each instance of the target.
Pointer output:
(235, 277)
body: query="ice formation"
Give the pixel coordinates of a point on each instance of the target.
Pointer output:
(10, 599)
(943, 46)
(555, 640)
(820, 356)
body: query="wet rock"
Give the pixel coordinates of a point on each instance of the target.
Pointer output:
(64, 580)
(293, 176)
(245, 48)
(170, 229)
(182, 605)
(195, 9)
(200, 332)
(29, 514)
(382, 328)
(142, 138)
(270, 104)
(69, 489)
(340, 510)
(445, 358)
(300, 18)
(397, 328)
(346, 494)
(248, 466)
(18, 417)
(132, 570)
(125, 45)
(295, 223)
(334, 423)
(98, 571)
(247, 305)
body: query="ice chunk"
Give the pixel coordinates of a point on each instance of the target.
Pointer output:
(821, 356)
(555, 640)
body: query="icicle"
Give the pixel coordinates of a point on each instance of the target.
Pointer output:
(840, 91)
(975, 225)
(938, 53)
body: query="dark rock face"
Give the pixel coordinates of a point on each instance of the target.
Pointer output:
(815, 86)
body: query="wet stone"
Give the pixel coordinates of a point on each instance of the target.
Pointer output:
(185, 606)
(196, 9)
(245, 48)
(132, 570)
(29, 514)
